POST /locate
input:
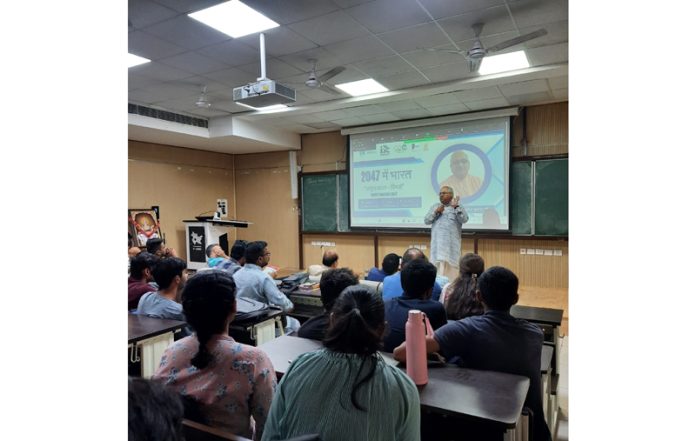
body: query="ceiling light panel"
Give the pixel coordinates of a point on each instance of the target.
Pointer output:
(362, 87)
(234, 18)
(134, 60)
(502, 63)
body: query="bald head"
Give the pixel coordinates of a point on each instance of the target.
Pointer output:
(410, 254)
(330, 259)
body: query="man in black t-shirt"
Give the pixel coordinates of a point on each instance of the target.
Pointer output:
(495, 341)
(417, 281)
(332, 283)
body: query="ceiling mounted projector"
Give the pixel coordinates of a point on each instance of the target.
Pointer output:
(264, 92)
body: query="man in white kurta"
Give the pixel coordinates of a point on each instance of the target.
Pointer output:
(446, 218)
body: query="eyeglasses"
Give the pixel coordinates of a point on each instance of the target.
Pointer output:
(446, 192)
(460, 162)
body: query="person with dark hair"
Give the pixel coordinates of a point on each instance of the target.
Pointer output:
(231, 382)
(390, 265)
(417, 280)
(392, 284)
(141, 279)
(346, 390)
(170, 275)
(495, 341)
(155, 412)
(329, 259)
(460, 297)
(156, 246)
(332, 283)
(235, 262)
(252, 282)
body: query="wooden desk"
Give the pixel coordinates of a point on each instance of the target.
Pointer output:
(141, 327)
(481, 395)
(284, 272)
(544, 316)
(149, 336)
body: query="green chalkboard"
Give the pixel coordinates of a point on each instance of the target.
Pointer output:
(343, 209)
(551, 198)
(325, 202)
(521, 197)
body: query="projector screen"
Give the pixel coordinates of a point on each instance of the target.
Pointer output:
(396, 175)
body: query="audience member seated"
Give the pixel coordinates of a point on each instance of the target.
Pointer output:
(329, 260)
(417, 279)
(156, 246)
(141, 280)
(496, 340)
(346, 391)
(332, 283)
(392, 284)
(170, 275)
(231, 382)
(215, 254)
(390, 264)
(460, 296)
(253, 283)
(235, 262)
(155, 412)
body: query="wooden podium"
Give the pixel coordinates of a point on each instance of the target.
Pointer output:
(201, 233)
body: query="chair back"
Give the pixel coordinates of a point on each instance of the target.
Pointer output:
(194, 431)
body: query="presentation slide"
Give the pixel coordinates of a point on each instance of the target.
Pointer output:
(396, 175)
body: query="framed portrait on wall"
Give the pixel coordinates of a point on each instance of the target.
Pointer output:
(143, 224)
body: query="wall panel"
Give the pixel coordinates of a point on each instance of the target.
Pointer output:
(263, 198)
(354, 252)
(181, 191)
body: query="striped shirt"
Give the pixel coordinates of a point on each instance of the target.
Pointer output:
(314, 396)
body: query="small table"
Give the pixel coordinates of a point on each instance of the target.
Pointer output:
(152, 336)
(480, 395)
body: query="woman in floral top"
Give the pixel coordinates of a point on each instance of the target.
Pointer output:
(230, 381)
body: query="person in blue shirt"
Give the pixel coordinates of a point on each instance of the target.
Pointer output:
(170, 275)
(390, 264)
(417, 279)
(392, 284)
(253, 283)
(495, 341)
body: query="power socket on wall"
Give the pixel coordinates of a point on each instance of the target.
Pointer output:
(317, 243)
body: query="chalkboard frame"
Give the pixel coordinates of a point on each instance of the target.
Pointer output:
(300, 176)
(480, 234)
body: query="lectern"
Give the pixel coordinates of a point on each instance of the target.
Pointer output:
(201, 233)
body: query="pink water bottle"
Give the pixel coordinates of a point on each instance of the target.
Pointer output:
(416, 356)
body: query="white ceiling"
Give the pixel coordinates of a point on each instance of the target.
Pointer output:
(383, 39)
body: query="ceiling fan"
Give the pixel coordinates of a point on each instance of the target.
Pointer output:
(203, 101)
(477, 52)
(314, 82)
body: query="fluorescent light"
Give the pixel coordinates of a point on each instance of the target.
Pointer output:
(234, 18)
(362, 87)
(505, 62)
(134, 60)
(268, 109)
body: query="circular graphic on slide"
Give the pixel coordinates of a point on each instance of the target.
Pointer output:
(464, 166)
